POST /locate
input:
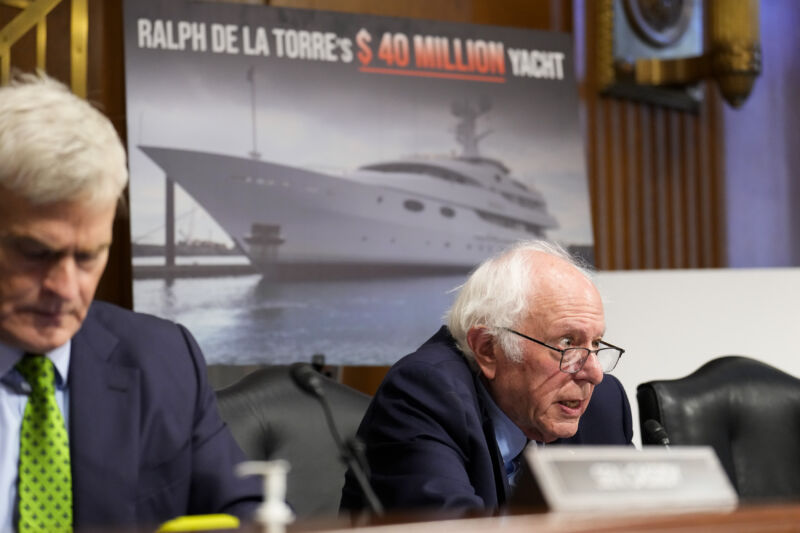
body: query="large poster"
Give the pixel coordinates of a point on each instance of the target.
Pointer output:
(328, 178)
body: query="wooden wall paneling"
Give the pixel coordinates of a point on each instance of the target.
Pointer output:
(688, 141)
(23, 52)
(660, 189)
(643, 169)
(625, 212)
(616, 205)
(703, 166)
(520, 13)
(600, 201)
(656, 172)
(703, 190)
(682, 207)
(615, 166)
(633, 188)
(106, 88)
(672, 222)
(58, 42)
(711, 189)
(687, 182)
(680, 227)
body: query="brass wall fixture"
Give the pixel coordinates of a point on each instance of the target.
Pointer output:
(34, 13)
(672, 55)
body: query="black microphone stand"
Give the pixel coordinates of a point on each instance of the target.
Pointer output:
(352, 451)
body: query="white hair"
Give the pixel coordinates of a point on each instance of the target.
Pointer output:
(498, 294)
(55, 146)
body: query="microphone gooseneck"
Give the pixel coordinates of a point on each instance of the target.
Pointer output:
(351, 452)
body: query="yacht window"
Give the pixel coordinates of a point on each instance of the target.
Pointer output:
(447, 212)
(413, 205)
(519, 185)
(433, 171)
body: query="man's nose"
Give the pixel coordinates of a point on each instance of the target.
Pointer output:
(592, 370)
(62, 278)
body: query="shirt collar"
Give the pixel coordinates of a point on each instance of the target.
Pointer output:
(510, 439)
(60, 357)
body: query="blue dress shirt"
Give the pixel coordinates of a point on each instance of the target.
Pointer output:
(510, 439)
(14, 392)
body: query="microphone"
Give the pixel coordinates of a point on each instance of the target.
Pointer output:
(351, 452)
(656, 432)
(308, 379)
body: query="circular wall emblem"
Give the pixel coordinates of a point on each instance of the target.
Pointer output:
(659, 22)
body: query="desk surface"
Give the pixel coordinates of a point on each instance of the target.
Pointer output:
(761, 519)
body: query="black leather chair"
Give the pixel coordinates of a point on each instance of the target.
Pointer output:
(271, 418)
(748, 411)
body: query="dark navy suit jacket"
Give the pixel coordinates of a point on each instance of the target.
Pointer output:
(430, 443)
(146, 440)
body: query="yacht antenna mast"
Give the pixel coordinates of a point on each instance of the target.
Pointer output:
(466, 129)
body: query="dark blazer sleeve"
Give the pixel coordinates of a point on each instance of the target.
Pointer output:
(146, 439)
(215, 487)
(425, 443)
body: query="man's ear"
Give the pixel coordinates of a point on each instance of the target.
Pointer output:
(483, 345)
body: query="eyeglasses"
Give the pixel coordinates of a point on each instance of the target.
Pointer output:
(573, 359)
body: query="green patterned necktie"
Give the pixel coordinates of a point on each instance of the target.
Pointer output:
(45, 476)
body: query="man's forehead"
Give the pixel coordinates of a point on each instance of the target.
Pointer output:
(57, 225)
(567, 306)
(559, 282)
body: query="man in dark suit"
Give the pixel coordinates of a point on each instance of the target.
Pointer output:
(519, 361)
(144, 441)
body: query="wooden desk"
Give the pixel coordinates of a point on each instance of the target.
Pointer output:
(761, 519)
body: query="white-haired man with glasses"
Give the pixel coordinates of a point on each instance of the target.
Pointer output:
(522, 359)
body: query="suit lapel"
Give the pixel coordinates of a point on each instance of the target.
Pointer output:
(104, 428)
(500, 479)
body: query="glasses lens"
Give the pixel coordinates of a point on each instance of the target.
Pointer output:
(572, 360)
(608, 358)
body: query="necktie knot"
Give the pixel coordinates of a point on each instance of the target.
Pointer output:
(38, 372)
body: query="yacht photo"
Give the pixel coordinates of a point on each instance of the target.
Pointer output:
(421, 214)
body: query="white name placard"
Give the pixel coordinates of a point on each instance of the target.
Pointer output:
(622, 478)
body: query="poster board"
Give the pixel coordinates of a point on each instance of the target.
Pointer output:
(336, 175)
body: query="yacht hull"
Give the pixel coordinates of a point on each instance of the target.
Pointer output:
(290, 220)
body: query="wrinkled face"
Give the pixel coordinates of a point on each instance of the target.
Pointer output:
(51, 260)
(543, 401)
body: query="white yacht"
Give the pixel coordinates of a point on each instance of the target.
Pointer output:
(413, 215)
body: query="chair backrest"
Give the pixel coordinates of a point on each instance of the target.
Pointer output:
(748, 411)
(271, 418)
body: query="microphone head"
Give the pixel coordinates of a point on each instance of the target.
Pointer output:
(656, 431)
(308, 379)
